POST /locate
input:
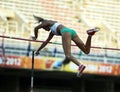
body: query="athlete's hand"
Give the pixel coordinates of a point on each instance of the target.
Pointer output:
(36, 53)
(33, 37)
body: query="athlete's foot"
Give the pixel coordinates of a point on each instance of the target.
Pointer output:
(80, 70)
(92, 31)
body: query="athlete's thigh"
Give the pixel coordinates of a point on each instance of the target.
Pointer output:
(66, 41)
(78, 42)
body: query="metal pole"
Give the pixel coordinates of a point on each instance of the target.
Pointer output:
(8, 37)
(32, 73)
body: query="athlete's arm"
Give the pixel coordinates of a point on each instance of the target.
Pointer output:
(45, 42)
(42, 25)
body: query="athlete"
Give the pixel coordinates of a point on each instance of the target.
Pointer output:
(67, 34)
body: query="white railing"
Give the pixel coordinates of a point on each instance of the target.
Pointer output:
(105, 57)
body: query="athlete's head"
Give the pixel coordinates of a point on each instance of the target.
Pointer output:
(38, 19)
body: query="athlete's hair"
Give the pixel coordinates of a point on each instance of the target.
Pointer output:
(38, 19)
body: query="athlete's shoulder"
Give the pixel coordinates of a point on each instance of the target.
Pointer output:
(51, 22)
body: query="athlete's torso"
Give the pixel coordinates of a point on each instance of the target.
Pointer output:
(54, 28)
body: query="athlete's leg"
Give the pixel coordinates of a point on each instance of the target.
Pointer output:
(84, 47)
(66, 61)
(66, 41)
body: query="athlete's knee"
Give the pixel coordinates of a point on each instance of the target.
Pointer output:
(86, 52)
(68, 57)
(66, 61)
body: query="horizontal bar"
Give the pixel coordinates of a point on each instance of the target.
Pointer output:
(9, 37)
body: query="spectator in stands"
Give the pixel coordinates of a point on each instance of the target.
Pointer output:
(67, 35)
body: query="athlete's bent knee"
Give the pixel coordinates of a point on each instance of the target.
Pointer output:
(68, 57)
(86, 52)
